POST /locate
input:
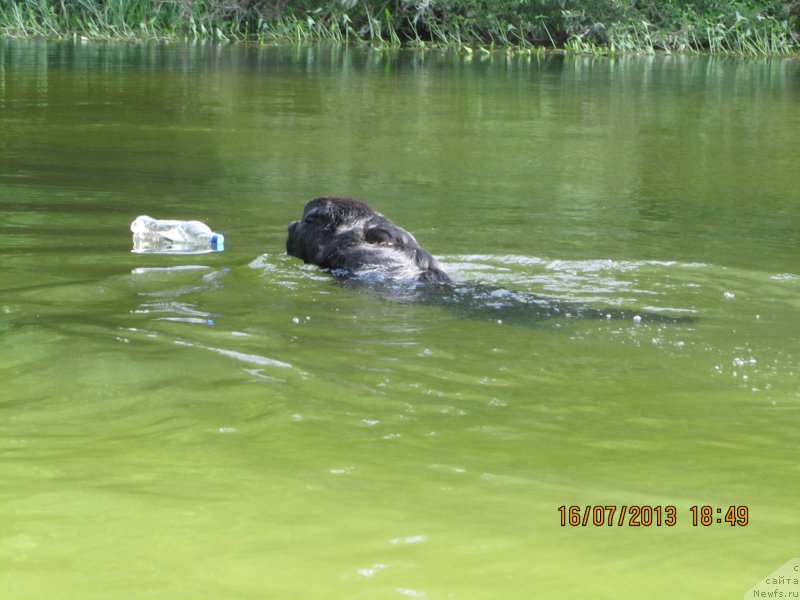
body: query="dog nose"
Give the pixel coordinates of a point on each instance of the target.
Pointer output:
(293, 225)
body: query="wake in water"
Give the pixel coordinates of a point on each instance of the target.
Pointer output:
(472, 300)
(483, 301)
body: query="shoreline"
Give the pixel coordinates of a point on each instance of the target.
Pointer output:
(765, 28)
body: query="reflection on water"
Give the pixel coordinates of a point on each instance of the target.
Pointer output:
(237, 424)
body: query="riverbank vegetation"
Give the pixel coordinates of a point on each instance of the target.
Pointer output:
(747, 27)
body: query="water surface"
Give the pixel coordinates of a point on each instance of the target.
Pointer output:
(239, 425)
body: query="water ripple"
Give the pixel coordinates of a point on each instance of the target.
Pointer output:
(255, 359)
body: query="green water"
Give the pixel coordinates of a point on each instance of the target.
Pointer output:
(238, 425)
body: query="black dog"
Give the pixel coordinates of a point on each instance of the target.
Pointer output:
(348, 237)
(352, 240)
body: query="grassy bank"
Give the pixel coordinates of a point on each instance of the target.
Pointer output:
(749, 27)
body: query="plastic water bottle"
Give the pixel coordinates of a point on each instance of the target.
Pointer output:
(151, 234)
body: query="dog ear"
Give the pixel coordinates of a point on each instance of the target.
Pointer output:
(379, 230)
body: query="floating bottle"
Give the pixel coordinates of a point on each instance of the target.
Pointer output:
(166, 235)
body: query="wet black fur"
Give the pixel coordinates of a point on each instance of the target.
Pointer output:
(348, 237)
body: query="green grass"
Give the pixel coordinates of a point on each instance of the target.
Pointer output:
(742, 27)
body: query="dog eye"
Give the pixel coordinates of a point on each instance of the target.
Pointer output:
(310, 218)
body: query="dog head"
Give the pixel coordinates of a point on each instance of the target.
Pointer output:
(348, 237)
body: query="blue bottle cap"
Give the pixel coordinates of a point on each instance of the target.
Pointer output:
(218, 241)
